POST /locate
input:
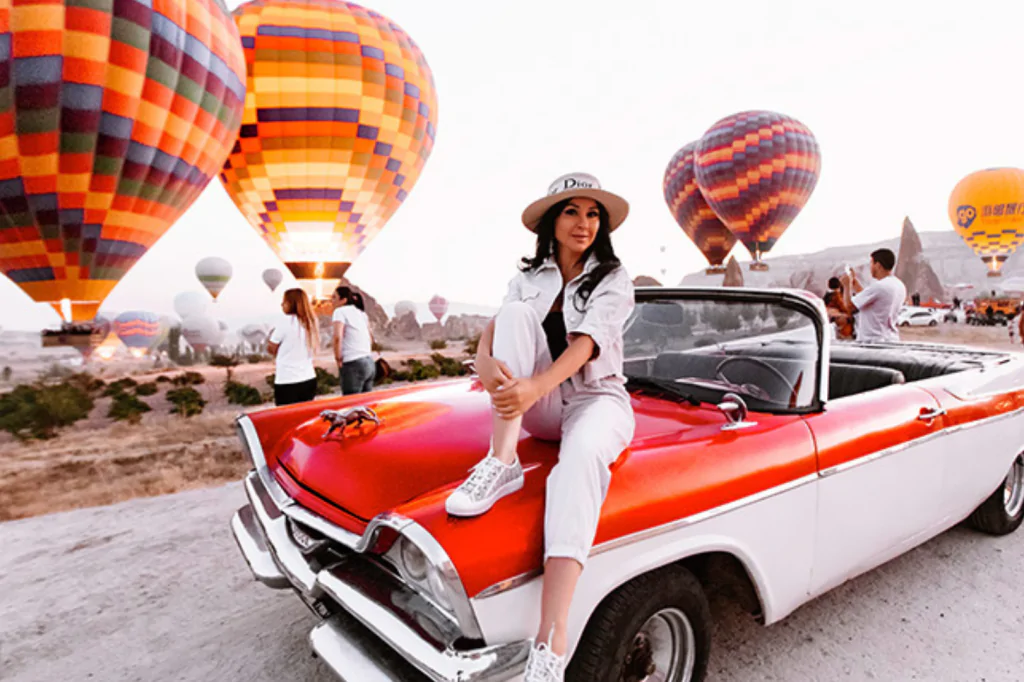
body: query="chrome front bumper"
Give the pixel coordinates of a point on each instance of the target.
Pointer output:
(383, 629)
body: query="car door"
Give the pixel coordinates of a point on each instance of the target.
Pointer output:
(880, 479)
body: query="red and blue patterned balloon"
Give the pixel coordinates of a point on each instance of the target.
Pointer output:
(692, 212)
(756, 170)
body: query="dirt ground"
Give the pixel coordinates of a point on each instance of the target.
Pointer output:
(155, 590)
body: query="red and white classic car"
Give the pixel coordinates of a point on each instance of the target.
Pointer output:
(768, 462)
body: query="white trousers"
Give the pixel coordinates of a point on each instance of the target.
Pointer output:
(595, 426)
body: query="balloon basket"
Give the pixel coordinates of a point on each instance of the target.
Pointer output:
(995, 273)
(715, 270)
(73, 335)
(758, 266)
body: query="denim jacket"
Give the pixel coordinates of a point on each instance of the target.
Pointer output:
(602, 316)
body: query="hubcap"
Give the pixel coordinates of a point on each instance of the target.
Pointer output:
(663, 650)
(1013, 488)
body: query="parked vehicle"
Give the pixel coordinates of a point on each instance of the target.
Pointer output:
(768, 461)
(920, 317)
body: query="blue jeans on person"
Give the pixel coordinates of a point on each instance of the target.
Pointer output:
(357, 376)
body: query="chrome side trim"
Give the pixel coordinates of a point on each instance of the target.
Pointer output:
(702, 516)
(493, 663)
(510, 584)
(253, 546)
(285, 552)
(895, 449)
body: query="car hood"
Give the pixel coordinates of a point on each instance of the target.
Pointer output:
(426, 444)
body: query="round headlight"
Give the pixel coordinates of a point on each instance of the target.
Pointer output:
(414, 561)
(435, 583)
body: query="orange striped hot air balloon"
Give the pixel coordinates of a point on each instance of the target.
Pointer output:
(692, 212)
(113, 118)
(987, 211)
(339, 120)
(757, 169)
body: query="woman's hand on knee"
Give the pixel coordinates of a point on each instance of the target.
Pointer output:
(493, 374)
(515, 398)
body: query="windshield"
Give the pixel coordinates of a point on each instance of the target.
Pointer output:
(767, 352)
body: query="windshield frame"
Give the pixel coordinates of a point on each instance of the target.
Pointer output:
(801, 301)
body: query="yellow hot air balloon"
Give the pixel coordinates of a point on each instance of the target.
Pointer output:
(987, 211)
(339, 120)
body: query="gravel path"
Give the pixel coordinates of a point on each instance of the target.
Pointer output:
(154, 589)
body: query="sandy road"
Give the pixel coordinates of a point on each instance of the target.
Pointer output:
(154, 589)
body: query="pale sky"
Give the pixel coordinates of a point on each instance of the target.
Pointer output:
(904, 98)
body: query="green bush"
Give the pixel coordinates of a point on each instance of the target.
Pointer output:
(270, 380)
(163, 379)
(38, 411)
(218, 360)
(472, 345)
(149, 388)
(379, 347)
(188, 379)
(438, 344)
(186, 400)
(256, 358)
(114, 388)
(242, 394)
(449, 367)
(126, 407)
(86, 382)
(326, 382)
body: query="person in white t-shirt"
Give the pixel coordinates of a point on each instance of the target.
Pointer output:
(878, 304)
(293, 345)
(353, 342)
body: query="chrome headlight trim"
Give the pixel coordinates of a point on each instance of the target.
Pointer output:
(437, 558)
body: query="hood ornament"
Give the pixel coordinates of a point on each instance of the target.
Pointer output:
(339, 419)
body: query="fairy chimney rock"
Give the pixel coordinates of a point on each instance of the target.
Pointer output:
(913, 269)
(733, 273)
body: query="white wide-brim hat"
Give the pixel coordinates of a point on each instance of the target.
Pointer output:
(577, 185)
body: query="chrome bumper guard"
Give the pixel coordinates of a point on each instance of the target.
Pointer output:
(385, 630)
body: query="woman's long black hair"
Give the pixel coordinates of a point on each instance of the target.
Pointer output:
(353, 297)
(601, 248)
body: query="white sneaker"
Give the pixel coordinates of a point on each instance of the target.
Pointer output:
(544, 665)
(490, 481)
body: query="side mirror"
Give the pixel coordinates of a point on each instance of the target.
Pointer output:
(735, 411)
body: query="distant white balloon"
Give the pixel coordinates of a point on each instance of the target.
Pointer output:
(202, 332)
(255, 334)
(272, 277)
(214, 273)
(191, 304)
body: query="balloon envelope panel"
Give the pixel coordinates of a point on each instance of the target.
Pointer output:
(114, 115)
(756, 170)
(339, 120)
(690, 209)
(987, 211)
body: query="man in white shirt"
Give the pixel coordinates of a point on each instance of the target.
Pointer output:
(878, 304)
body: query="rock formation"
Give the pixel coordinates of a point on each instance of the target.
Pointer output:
(733, 273)
(404, 327)
(375, 311)
(914, 270)
(645, 281)
(459, 327)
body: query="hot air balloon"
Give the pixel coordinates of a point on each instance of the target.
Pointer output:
(438, 307)
(190, 304)
(272, 277)
(338, 124)
(403, 308)
(214, 274)
(756, 170)
(255, 334)
(201, 332)
(113, 119)
(692, 212)
(987, 211)
(137, 330)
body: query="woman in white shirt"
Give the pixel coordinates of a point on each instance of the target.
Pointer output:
(353, 343)
(293, 345)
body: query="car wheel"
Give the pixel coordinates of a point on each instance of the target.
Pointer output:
(655, 627)
(1003, 511)
(933, 323)
(904, 324)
